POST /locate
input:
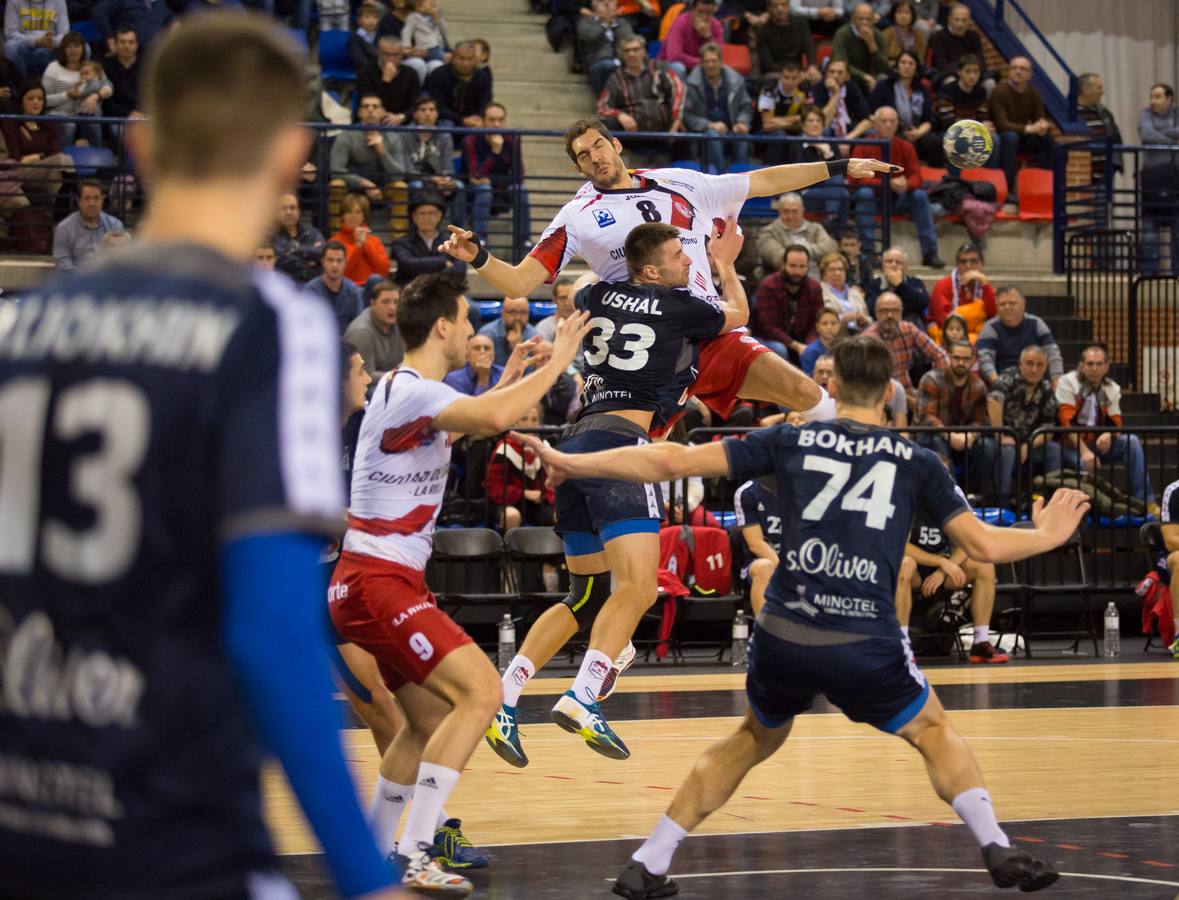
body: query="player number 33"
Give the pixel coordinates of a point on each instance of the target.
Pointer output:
(639, 338)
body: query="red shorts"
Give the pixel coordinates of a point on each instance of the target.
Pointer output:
(385, 608)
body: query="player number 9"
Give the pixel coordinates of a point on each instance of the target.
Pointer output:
(421, 645)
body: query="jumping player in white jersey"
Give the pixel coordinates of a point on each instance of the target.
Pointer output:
(847, 492)
(594, 226)
(378, 597)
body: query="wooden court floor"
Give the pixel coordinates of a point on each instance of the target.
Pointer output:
(1084, 757)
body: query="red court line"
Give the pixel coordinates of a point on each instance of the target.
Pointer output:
(850, 809)
(1156, 863)
(898, 818)
(603, 781)
(658, 787)
(1113, 855)
(560, 777)
(1069, 847)
(800, 803)
(751, 797)
(1030, 840)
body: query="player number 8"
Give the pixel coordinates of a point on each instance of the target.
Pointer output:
(602, 329)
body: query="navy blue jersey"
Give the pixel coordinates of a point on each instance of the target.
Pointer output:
(848, 494)
(928, 535)
(640, 351)
(150, 408)
(756, 504)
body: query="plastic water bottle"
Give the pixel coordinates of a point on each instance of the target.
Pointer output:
(740, 637)
(1113, 632)
(507, 642)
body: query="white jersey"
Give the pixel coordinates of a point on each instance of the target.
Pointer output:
(402, 463)
(594, 224)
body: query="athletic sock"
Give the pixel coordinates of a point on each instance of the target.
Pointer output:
(822, 411)
(434, 785)
(1177, 624)
(384, 813)
(594, 668)
(442, 817)
(982, 634)
(516, 675)
(660, 847)
(905, 630)
(974, 807)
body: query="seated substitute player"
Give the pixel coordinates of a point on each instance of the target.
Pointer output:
(756, 506)
(1169, 560)
(171, 442)
(594, 224)
(378, 598)
(643, 333)
(930, 562)
(828, 625)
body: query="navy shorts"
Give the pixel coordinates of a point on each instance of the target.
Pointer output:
(592, 504)
(875, 680)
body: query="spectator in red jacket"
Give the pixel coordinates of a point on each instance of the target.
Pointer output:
(367, 258)
(788, 303)
(908, 195)
(516, 483)
(689, 32)
(966, 291)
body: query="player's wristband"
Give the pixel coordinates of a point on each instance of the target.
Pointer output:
(481, 255)
(822, 411)
(837, 167)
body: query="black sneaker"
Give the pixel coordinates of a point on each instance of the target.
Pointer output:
(932, 260)
(1010, 866)
(637, 883)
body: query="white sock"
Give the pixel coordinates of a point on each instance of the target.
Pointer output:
(384, 813)
(982, 634)
(905, 630)
(1177, 624)
(822, 411)
(442, 817)
(660, 847)
(974, 808)
(434, 785)
(590, 676)
(516, 675)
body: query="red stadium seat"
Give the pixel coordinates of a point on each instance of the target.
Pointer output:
(930, 175)
(736, 56)
(823, 53)
(1035, 195)
(994, 176)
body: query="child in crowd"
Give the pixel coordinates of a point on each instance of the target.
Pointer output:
(516, 483)
(827, 325)
(362, 45)
(424, 38)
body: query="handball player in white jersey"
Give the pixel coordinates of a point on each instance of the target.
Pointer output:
(594, 226)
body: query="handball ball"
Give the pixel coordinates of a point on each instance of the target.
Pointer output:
(967, 144)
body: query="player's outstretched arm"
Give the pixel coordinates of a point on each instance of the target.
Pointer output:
(514, 281)
(1055, 523)
(496, 411)
(275, 639)
(650, 463)
(774, 180)
(725, 248)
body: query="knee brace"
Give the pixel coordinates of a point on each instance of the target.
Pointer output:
(587, 595)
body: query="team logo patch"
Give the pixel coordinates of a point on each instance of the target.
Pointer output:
(409, 436)
(605, 218)
(598, 669)
(683, 208)
(594, 383)
(521, 676)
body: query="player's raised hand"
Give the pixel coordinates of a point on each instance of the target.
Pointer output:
(1061, 515)
(523, 355)
(460, 245)
(570, 333)
(866, 168)
(554, 461)
(725, 248)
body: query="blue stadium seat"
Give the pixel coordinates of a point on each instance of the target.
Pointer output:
(690, 164)
(88, 160)
(491, 309)
(762, 207)
(88, 30)
(541, 309)
(334, 61)
(300, 39)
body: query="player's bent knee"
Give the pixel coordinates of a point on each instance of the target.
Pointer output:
(761, 568)
(1173, 564)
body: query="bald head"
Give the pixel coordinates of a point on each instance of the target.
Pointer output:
(515, 311)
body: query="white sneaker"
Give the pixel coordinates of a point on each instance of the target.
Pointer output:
(424, 874)
(621, 664)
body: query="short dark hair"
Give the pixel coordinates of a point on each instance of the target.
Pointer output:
(90, 183)
(580, 127)
(481, 44)
(958, 345)
(264, 244)
(1003, 289)
(796, 248)
(825, 311)
(333, 245)
(1167, 89)
(497, 105)
(347, 351)
(1094, 345)
(424, 301)
(379, 287)
(969, 248)
(968, 59)
(863, 368)
(122, 30)
(197, 83)
(644, 240)
(791, 65)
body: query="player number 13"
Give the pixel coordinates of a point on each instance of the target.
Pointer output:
(639, 338)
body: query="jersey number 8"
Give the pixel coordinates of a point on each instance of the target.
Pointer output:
(640, 337)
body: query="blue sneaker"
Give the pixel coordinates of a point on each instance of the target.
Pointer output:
(1174, 648)
(503, 736)
(453, 850)
(587, 722)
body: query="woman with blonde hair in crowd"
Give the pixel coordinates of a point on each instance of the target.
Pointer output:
(847, 300)
(367, 258)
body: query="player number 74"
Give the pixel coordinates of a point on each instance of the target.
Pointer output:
(872, 494)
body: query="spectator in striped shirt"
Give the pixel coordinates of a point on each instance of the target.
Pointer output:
(965, 98)
(907, 342)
